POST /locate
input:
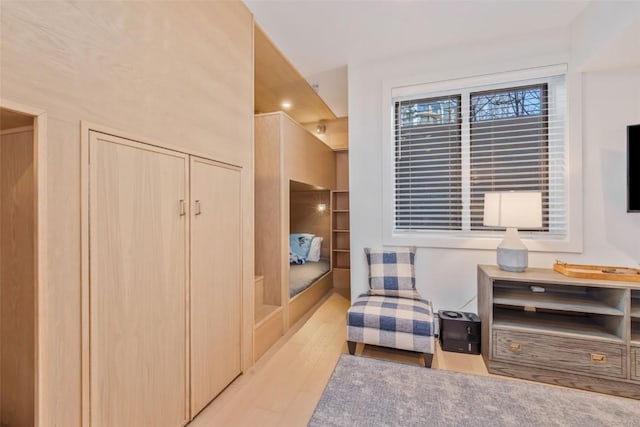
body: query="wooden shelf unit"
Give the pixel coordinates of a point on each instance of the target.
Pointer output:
(341, 249)
(341, 237)
(580, 333)
(340, 224)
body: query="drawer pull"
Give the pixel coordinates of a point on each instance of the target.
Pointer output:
(598, 358)
(515, 346)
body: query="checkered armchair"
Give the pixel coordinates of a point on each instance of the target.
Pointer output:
(392, 314)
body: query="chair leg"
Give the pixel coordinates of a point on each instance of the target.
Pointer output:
(352, 347)
(428, 359)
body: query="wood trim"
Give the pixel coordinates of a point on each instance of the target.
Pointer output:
(85, 393)
(285, 219)
(149, 141)
(21, 108)
(249, 181)
(41, 247)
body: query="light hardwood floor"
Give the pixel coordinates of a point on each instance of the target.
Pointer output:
(284, 386)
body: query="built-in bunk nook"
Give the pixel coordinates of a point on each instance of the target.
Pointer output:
(294, 173)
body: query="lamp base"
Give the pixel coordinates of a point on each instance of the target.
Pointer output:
(514, 260)
(513, 255)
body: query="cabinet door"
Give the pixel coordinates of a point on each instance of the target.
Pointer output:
(138, 284)
(216, 279)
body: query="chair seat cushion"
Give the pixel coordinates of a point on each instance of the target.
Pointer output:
(412, 316)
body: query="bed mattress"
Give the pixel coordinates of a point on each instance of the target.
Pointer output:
(303, 276)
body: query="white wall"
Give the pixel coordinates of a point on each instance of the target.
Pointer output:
(606, 35)
(448, 276)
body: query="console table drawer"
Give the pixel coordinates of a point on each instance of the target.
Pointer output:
(567, 354)
(635, 363)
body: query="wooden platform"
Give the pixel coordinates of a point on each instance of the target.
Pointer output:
(268, 329)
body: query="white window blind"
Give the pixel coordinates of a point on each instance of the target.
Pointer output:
(428, 183)
(450, 150)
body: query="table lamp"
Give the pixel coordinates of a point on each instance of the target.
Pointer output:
(513, 210)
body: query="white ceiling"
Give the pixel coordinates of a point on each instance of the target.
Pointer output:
(322, 35)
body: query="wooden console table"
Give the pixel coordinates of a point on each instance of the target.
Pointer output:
(577, 333)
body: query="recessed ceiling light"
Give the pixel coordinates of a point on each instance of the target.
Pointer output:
(286, 105)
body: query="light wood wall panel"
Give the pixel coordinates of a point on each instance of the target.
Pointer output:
(176, 72)
(307, 159)
(171, 71)
(342, 170)
(268, 205)
(305, 217)
(62, 348)
(17, 279)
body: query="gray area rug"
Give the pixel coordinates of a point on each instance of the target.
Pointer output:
(370, 392)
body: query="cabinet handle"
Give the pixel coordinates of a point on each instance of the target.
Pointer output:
(598, 358)
(183, 208)
(197, 209)
(515, 346)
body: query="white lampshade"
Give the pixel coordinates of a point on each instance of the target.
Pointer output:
(511, 209)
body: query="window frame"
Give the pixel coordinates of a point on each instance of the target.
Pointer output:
(571, 241)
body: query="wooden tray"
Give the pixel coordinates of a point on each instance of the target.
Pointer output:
(602, 272)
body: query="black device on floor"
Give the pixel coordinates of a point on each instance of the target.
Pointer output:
(459, 331)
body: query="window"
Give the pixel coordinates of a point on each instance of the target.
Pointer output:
(509, 148)
(428, 161)
(452, 147)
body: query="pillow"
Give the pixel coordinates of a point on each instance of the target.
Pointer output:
(300, 243)
(391, 271)
(314, 250)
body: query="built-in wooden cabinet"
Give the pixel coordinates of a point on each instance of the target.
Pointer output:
(138, 283)
(293, 170)
(164, 283)
(541, 325)
(216, 274)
